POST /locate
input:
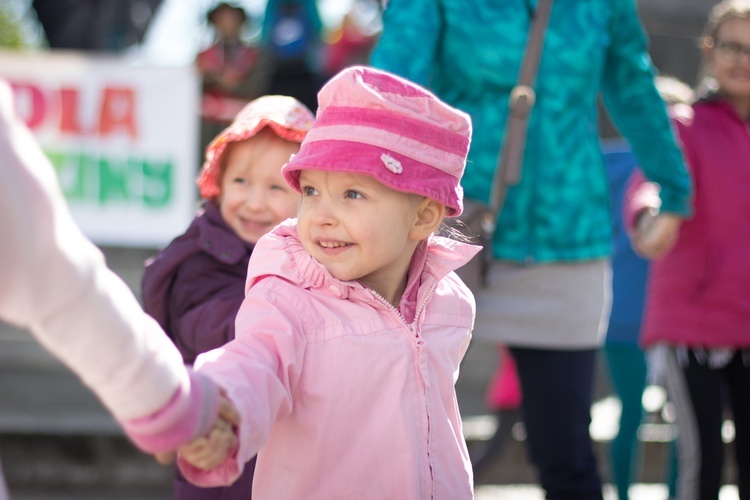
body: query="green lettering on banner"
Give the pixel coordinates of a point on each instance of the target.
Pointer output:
(114, 181)
(101, 180)
(157, 183)
(69, 172)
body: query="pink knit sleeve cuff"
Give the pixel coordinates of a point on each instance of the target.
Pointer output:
(191, 412)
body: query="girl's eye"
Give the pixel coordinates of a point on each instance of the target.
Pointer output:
(239, 180)
(308, 191)
(277, 187)
(353, 195)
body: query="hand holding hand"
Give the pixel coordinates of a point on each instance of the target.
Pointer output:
(228, 417)
(210, 451)
(656, 234)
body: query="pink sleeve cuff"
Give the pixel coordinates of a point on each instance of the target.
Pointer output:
(190, 413)
(640, 195)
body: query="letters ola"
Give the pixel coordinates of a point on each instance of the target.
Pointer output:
(116, 109)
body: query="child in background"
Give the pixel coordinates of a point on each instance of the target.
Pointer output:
(195, 286)
(698, 298)
(354, 324)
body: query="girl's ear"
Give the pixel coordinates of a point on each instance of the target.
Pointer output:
(429, 216)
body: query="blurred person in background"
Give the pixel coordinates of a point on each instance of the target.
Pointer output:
(233, 71)
(292, 34)
(109, 26)
(351, 43)
(698, 296)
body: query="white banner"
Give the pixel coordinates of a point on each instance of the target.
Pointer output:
(122, 137)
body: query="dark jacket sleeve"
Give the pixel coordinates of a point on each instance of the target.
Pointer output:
(206, 296)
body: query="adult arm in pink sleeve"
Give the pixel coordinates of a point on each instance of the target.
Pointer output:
(56, 285)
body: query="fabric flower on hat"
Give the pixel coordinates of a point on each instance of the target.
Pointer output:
(286, 116)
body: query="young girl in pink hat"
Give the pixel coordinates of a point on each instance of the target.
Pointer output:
(354, 324)
(195, 286)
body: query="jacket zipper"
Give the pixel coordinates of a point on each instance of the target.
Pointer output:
(389, 305)
(419, 342)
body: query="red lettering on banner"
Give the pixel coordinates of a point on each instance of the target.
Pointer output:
(29, 103)
(69, 104)
(117, 111)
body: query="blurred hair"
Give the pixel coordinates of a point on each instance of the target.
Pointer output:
(455, 229)
(230, 6)
(719, 14)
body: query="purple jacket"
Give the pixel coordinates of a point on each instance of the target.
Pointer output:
(194, 288)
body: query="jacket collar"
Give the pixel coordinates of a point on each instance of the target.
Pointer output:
(280, 253)
(716, 99)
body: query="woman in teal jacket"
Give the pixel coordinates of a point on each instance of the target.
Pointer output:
(548, 287)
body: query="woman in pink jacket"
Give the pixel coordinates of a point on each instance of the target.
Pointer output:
(349, 340)
(54, 283)
(698, 298)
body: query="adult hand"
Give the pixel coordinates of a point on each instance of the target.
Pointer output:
(656, 234)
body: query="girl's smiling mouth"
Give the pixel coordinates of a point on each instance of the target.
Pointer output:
(333, 247)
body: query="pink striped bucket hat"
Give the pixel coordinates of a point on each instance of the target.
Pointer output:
(375, 123)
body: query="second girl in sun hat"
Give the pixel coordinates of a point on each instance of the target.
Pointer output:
(195, 286)
(353, 327)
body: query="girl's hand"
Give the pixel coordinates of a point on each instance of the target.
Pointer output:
(228, 415)
(656, 235)
(210, 451)
(165, 457)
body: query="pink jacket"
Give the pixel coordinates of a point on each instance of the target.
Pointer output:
(341, 396)
(54, 283)
(699, 294)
